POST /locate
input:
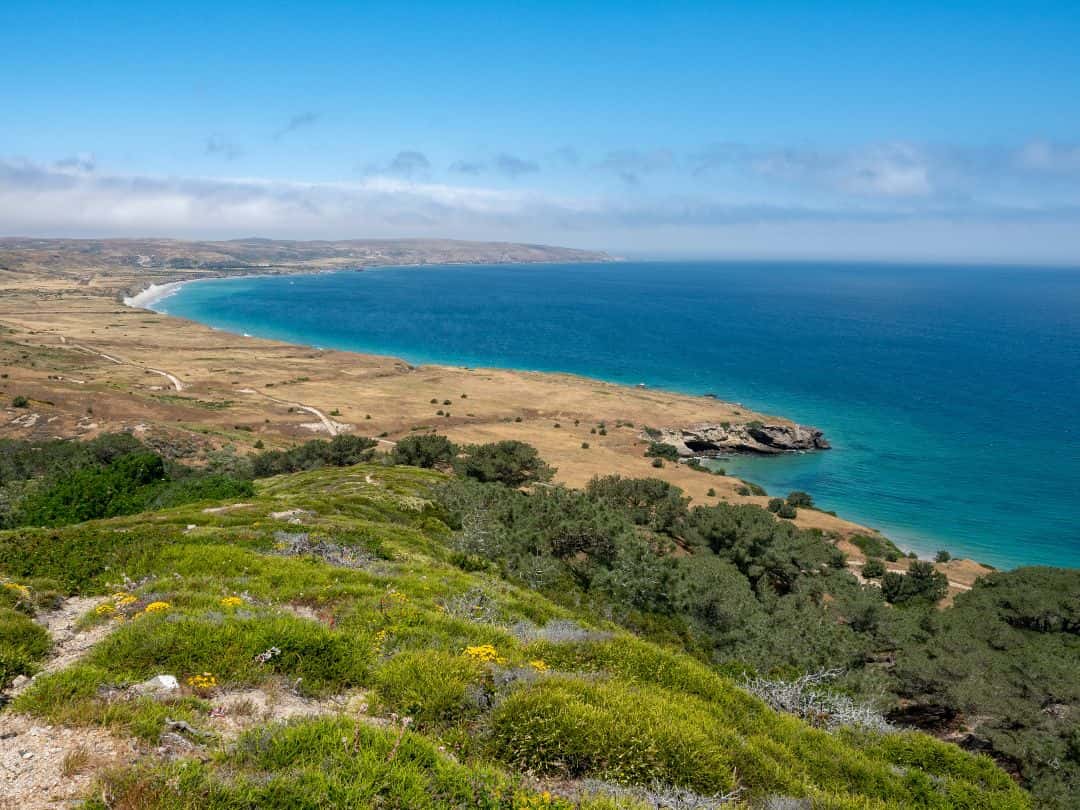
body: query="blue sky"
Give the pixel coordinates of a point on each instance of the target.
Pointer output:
(881, 130)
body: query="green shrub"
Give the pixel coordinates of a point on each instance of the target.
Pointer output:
(873, 569)
(800, 499)
(662, 450)
(123, 487)
(227, 646)
(510, 462)
(23, 642)
(424, 450)
(942, 556)
(430, 686)
(19, 401)
(921, 583)
(568, 727)
(321, 763)
(201, 488)
(76, 556)
(341, 451)
(876, 546)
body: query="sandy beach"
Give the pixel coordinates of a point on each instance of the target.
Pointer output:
(152, 295)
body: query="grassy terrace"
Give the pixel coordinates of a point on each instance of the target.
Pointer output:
(429, 685)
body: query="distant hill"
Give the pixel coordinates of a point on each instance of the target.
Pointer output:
(145, 257)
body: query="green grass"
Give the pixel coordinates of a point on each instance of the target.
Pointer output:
(328, 763)
(602, 705)
(23, 643)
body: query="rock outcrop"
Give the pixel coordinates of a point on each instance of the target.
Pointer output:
(712, 440)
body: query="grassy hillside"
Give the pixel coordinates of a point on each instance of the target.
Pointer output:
(429, 676)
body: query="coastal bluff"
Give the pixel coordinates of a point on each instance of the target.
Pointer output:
(716, 439)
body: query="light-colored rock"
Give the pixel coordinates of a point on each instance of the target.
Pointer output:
(159, 684)
(710, 440)
(19, 682)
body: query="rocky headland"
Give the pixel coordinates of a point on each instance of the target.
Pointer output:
(723, 438)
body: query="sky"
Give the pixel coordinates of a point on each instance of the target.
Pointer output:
(880, 130)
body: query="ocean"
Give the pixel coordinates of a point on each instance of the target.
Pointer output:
(951, 394)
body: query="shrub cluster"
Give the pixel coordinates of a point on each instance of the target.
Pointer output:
(54, 483)
(341, 451)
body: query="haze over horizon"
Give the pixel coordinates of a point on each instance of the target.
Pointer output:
(782, 130)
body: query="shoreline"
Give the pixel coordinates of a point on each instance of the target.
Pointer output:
(72, 319)
(152, 294)
(909, 541)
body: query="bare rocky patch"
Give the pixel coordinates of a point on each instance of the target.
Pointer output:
(44, 766)
(70, 643)
(236, 710)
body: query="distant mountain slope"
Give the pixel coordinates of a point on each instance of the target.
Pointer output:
(154, 256)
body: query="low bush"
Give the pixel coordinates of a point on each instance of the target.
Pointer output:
(430, 686)
(873, 569)
(510, 462)
(425, 450)
(341, 451)
(572, 728)
(328, 762)
(921, 583)
(227, 647)
(800, 499)
(661, 450)
(875, 546)
(23, 642)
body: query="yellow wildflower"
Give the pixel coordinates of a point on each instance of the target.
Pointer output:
(157, 607)
(539, 665)
(485, 653)
(202, 682)
(104, 609)
(126, 600)
(21, 590)
(232, 601)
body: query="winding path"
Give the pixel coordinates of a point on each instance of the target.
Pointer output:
(329, 424)
(172, 378)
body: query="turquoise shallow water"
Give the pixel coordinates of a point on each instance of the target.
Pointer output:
(951, 394)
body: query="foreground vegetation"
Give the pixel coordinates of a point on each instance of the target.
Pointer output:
(551, 649)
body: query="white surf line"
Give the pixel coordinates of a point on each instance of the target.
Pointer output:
(329, 425)
(172, 378)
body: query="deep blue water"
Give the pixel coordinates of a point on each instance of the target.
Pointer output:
(951, 394)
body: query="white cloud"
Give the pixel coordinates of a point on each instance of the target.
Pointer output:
(887, 192)
(1044, 156)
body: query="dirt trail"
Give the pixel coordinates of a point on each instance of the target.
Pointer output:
(45, 766)
(329, 424)
(172, 378)
(69, 643)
